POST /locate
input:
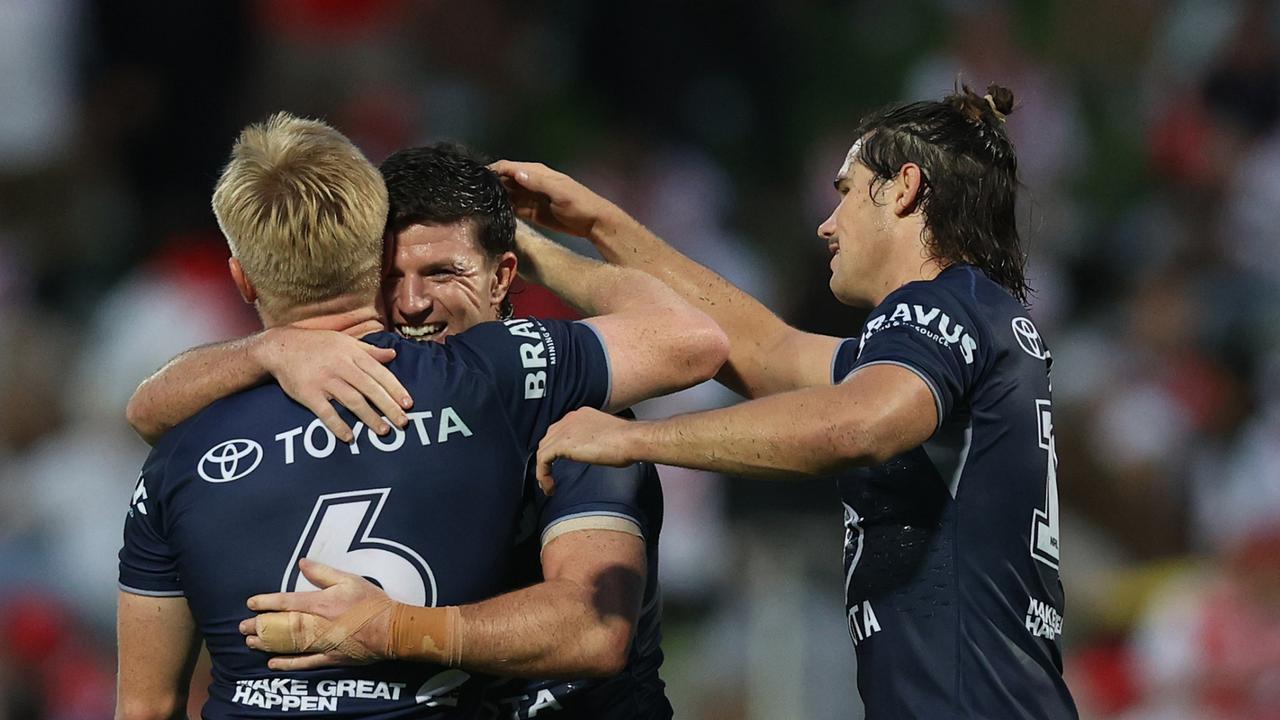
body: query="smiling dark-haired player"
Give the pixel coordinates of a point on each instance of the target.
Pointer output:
(253, 494)
(936, 416)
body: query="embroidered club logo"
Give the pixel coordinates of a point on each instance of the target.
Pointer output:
(230, 460)
(1029, 338)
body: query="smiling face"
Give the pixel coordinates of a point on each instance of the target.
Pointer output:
(440, 283)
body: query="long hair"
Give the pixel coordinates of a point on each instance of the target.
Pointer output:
(970, 173)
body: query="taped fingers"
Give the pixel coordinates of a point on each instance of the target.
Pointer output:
(288, 632)
(292, 633)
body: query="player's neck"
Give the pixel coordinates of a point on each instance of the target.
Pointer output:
(908, 271)
(336, 315)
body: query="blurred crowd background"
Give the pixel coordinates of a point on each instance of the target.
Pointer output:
(1150, 152)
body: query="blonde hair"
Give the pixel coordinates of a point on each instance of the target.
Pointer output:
(303, 212)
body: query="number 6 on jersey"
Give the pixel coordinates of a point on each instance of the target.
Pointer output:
(340, 534)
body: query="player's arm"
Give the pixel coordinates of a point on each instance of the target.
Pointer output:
(656, 342)
(577, 622)
(158, 643)
(312, 366)
(766, 355)
(879, 412)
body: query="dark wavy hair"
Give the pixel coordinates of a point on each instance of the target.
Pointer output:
(446, 183)
(970, 174)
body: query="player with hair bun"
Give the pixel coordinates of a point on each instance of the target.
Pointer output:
(935, 416)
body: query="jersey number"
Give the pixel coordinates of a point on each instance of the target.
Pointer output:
(340, 534)
(1044, 523)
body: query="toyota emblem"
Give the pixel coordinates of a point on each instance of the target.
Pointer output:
(230, 460)
(1029, 338)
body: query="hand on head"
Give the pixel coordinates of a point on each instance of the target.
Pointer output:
(552, 199)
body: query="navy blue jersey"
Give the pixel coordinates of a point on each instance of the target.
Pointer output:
(951, 550)
(231, 499)
(637, 693)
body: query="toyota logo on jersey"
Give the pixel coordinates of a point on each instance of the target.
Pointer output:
(1029, 338)
(230, 460)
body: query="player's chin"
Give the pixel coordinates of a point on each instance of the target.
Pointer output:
(843, 290)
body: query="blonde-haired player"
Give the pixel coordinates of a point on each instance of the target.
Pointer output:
(300, 185)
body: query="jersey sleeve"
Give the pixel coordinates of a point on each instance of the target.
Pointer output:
(927, 331)
(592, 497)
(542, 369)
(147, 564)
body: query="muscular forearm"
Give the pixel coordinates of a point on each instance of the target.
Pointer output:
(552, 629)
(193, 380)
(879, 413)
(791, 434)
(757, 337)
(593, 287)
(577, 622)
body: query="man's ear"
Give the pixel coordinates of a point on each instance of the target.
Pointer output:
(504, 273)
(243, 284)
(908, 189)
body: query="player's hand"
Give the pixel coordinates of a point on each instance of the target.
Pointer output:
(552, 199)
(289, 620)
(588, 436)
(316, 366)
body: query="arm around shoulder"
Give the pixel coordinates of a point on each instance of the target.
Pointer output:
(312, 367)
(192, 381)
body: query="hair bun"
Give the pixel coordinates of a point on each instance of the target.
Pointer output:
(1000, 99)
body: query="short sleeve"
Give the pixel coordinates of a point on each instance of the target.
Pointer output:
(590, 497)
(843, 358)
(542, 369)
(147, 564)
(929, 332)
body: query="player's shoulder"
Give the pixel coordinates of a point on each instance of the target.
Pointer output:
(633, 492)
(962, 293)
(205, 432)
(993, 310)
(234, 424)
(416, 363)
(488, 344)
(958, 286)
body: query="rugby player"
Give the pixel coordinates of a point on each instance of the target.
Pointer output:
(936, 416)
(591, 555)
(253, 494)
